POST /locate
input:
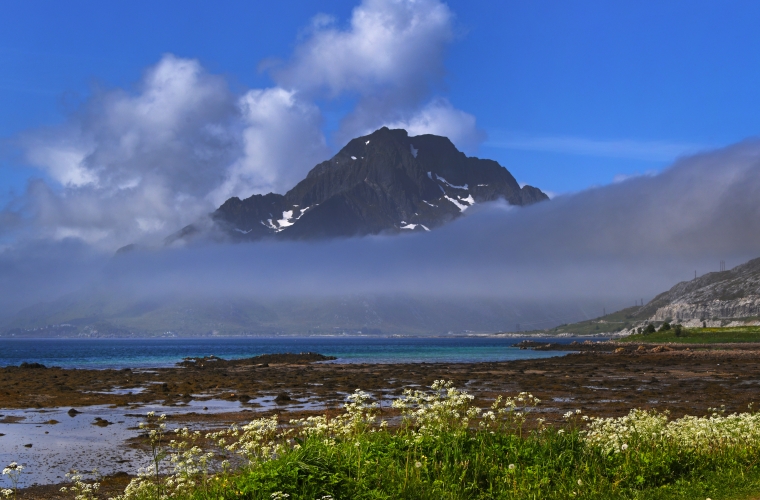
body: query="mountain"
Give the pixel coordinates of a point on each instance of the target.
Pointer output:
(382, 182)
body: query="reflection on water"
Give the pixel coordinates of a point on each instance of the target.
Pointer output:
(61, 441)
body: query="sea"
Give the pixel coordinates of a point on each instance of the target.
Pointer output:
(166, 352)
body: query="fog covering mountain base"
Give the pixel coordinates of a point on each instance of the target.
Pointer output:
(607, 246)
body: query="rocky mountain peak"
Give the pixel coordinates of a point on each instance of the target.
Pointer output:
(386, 181)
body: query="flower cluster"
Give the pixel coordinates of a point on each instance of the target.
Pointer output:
(256, 441)
(644, 428)
(445, 408)
(190, 463)
(359, 416)
(13, 471)
(509, 413)
(81, 489)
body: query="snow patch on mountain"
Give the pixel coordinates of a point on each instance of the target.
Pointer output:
(461, 207)
(469, 199)
(450, 184)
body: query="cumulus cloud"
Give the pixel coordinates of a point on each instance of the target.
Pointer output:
(439, 117)
(137, 165)
(391, 57)
(131, 164)
(281, 139)
(173, 126)
(389, 43)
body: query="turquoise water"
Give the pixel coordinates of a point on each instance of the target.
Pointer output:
(134, 353)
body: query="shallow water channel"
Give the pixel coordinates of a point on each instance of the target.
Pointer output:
(61, 441)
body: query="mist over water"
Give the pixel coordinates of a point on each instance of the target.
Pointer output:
(604, 247)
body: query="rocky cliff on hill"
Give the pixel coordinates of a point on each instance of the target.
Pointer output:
(731, 294)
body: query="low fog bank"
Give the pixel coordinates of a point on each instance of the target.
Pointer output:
(609, 246)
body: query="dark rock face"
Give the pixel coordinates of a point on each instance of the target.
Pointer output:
(382, 182)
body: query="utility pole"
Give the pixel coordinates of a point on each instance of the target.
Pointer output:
(695, 274)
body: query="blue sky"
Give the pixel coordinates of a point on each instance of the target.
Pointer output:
(569, 94)
(122, 121)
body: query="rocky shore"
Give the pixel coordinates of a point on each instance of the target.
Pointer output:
(596, 377)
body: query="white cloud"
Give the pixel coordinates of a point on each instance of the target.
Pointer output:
(133, 165)
(391, 57)
(281, 139)
(64, 162)
(439, 117)
(389, 42)
(137, 165)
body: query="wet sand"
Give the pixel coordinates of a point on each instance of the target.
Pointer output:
(598, 380)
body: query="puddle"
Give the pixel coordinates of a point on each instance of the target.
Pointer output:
(70, 443)
(95, 437)
(120, 391)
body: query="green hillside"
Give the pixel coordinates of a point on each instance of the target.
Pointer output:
(610, 323)
(700, 335)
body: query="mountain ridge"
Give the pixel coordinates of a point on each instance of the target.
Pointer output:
(383, 182)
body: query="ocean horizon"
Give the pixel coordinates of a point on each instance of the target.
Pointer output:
(167, 352)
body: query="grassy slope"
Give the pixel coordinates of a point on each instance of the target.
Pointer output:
(701, 336)
(612, 322)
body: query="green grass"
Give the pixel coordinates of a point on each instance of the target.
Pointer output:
(700, 336)
(476, 466)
